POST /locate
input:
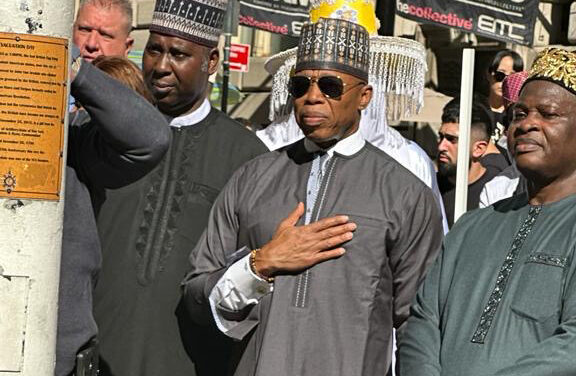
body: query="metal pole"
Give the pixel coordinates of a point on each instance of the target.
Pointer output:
(466, 91)
(226, 72)
(230, 28)
(31, 229)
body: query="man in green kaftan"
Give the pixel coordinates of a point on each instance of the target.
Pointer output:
(501, 298)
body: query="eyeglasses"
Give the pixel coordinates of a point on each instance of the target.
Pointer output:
(499, 76)
(330, 86)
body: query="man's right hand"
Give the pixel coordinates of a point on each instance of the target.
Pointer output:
(296, 248)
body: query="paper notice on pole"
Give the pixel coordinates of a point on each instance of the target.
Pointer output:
(33, 76)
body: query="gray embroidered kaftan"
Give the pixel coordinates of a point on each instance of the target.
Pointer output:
(338, 320)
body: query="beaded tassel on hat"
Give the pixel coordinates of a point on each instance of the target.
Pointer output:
(397, 70)
(281, 66)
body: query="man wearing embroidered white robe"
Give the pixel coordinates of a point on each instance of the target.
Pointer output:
(501, 298)
(313, 253)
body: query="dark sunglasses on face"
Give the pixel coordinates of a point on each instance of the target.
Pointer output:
(331, 86)
(499, 76)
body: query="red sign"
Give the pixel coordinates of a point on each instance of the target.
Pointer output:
(239, 57)
(277, 16)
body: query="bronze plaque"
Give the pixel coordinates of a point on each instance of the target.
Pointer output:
(33, 74)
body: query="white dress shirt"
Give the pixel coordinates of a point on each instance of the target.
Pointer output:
(192, 118)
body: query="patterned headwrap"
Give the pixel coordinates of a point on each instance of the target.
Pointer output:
(511, 87)
(555, 65)
(334, 44)
(199, 21)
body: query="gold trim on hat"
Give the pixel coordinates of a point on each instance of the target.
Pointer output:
(361, 12)
(557, 65)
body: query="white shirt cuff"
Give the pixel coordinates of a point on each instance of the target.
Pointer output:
(238, 288)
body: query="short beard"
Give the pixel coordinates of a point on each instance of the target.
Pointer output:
(447, 170)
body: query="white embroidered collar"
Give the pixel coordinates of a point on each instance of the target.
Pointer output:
(347, 146)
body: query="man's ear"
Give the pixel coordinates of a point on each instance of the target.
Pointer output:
(479, 149)
(365, 97)
(214, 58)
(129, 44)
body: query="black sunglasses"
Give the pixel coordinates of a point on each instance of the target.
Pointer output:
(499, 76)
(330, 86)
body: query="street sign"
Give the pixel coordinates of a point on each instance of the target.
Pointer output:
(239, 57)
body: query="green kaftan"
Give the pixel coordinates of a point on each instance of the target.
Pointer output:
(501, 298)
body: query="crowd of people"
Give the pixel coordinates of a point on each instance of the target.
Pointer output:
(189, 248)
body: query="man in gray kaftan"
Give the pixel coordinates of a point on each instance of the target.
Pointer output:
(316, 291)
(501, 298)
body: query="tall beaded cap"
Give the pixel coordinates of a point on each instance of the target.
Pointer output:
(199, 21)
(397, 66)
(556, 65)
